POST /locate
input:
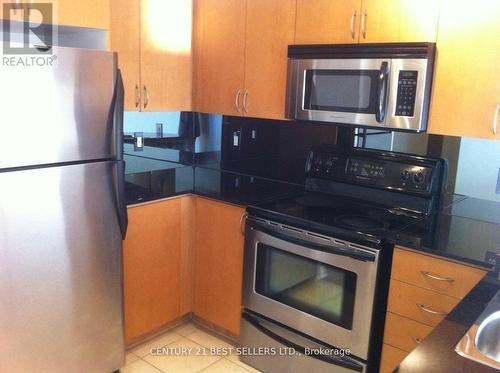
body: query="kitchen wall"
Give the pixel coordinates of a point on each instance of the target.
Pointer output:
(174, 143)
(478, 173)
(146, 122)
(278, 149)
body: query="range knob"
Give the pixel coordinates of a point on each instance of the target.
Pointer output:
(405, 176)
(329, 165)
(317, 165)
(418, 178)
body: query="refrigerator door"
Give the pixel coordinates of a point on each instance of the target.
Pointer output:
(60, 270)
(59, 113)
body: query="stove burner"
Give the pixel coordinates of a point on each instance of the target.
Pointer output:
(361, 223)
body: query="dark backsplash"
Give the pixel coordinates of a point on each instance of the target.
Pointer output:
(278, 150)
(272, 149)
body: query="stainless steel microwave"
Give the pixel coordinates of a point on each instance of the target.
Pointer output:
(364, 85)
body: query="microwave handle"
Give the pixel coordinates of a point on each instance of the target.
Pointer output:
(382, 89)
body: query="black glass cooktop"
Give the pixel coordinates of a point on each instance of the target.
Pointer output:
(351, 216)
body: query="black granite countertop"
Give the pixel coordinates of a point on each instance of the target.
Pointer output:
(149, 179)
(436, 353)
(458, 238)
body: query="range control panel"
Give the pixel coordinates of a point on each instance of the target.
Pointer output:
(407, 90)
(371, 168)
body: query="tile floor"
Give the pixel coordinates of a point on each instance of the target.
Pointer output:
(188, 336)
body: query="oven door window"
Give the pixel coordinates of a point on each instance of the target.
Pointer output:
(316, 288)
(352, 91)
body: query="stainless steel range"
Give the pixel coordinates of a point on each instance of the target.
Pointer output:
(317, 265)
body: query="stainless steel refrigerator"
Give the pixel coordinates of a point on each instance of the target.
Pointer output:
(62, 215)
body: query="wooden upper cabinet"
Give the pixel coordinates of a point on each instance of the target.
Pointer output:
(83, 13)
(366, 21)
(327, 21)
(266, 56)
(125, 15)
(384, 21)
(218, 264)
(154, 45)
(13, 15)
(219, 39)
(379, 21)
(466, 91)
(418, 20)
(166, 55)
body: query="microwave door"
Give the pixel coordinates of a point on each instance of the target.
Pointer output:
(347, 91)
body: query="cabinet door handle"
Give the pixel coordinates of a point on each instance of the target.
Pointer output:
(353, 22)
(416, 340)
(243, 219)
(146, 97)
(137, 96)
(245, 106)
(437, 278)
(495, 119)
(363, 24)
(237, 101)
(432, 312)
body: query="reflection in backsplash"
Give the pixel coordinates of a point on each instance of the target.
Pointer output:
(278, 149)
(270, 148)
(165, 136)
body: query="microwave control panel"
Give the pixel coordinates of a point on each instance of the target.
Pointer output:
(407, 89)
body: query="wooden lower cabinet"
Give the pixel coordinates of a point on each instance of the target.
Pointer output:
(182, 255)
(218, 264)
(423, 290)
(404, 332)
(422, 305)
(391, 358)
(439, 275)
(154, 256)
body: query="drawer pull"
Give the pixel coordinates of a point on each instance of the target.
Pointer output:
(416, 340)
(437, 278)
(423, 308)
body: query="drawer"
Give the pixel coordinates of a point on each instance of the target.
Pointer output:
(422, 305)
(443, 276)
(391, 358)
(404, 333)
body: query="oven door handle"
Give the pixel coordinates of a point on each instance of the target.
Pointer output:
(366, 257)
(382, 88)
(339, 361)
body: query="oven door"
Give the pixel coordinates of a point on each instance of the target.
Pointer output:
(349, 91)
(311, 284)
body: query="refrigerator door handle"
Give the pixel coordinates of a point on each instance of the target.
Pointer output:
(120, 197)
(118, 102)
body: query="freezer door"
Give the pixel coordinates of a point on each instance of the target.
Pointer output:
(59, 113)
(60, 271)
